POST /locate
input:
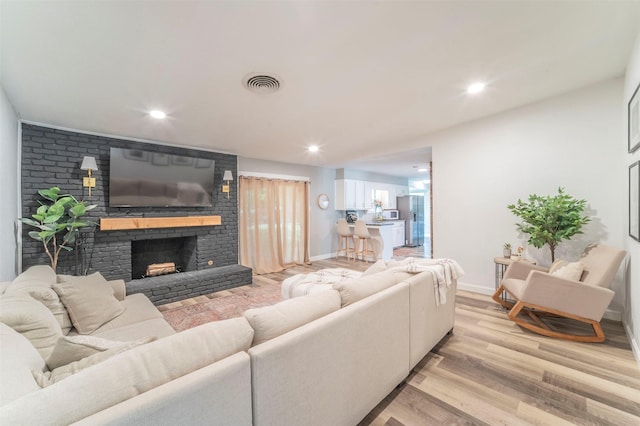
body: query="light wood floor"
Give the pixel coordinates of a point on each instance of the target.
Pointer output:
(492, 372)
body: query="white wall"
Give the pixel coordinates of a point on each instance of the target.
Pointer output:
(323, 237)
(8, 177)
(479, 168)
(631, 318)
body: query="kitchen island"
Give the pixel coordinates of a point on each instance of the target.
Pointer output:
(384, 230)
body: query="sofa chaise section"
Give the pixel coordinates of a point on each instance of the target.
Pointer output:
(334, 370)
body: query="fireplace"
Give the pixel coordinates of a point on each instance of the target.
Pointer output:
(180, 251)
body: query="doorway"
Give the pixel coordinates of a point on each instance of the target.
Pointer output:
(423, 186)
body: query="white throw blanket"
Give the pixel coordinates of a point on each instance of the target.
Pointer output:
(303, 284)
(444, 271)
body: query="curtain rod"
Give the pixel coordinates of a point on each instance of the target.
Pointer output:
(272, 179)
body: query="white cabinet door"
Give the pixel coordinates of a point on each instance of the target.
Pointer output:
(345, 194)
(368, 195)
(350, 194)
(359, 195)
(398, 234)
(392, 197)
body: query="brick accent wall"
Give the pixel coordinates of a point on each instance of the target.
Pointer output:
(52, 157)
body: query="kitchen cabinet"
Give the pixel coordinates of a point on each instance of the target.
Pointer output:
(359, 195)
(368, 195)
(350, 194)
(402, 190)
(398, 234)
(392, 197)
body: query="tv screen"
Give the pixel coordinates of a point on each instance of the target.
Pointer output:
(140, 178)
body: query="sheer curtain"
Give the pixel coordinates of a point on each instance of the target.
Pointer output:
(274, 223)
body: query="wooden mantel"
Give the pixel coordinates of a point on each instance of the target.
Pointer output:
(122, 223)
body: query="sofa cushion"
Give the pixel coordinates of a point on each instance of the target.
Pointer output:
(32, 319)
(36, 273)
(89, 301)
(136, 308)
(48, 378)
(358, 288)
(69, 349)
(157, 327)
(271, 321)
(18, 359)
(37, 281)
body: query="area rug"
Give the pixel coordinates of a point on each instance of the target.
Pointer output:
(222, 305)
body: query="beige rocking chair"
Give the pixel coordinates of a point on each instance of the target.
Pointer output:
(538, 293)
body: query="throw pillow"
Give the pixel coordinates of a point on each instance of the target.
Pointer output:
(272, 321)
(73, 348)
(379, 266)
(89, 301)
(33, 320)
(49, 298)
(48, 378)
(557, 265)
(570, 271)
(37, 282)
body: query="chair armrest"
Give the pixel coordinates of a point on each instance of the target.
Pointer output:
(119, 289)
(572, 297)
(520, 270)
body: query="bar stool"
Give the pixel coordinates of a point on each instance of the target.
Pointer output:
(363, 242)
(345, 235)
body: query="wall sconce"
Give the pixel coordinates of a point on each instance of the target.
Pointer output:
(228, 176)
(89, 164)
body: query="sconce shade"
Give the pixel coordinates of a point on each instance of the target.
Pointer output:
(89, 163)
(227, 175)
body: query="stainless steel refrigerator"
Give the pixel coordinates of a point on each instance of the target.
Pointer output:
(411, 209)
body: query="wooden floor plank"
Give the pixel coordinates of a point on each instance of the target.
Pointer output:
(491, 371)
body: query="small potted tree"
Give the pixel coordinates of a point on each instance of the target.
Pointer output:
(58, 220)
(550, 219)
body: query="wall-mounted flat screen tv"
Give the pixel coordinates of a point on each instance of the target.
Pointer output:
(140, 178)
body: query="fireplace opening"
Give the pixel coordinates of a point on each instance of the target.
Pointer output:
(162, 255)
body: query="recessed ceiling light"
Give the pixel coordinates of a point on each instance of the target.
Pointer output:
(423, 170)
(158, 114)
(313, 148)
(475, 88)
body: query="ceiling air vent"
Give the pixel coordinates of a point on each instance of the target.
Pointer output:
(261, 83)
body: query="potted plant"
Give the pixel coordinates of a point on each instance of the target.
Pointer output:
(550, 219)
(58, 220)
(506, 250)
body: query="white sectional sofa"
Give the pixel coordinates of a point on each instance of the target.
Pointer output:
(200, 376)
(325, 358)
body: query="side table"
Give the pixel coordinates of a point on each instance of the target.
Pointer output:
(501, 264)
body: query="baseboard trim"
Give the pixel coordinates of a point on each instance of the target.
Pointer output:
(635, 347)
(475, 288)
(322, 256)
(613, 315)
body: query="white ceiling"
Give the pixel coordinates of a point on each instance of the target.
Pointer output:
(367, 81)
